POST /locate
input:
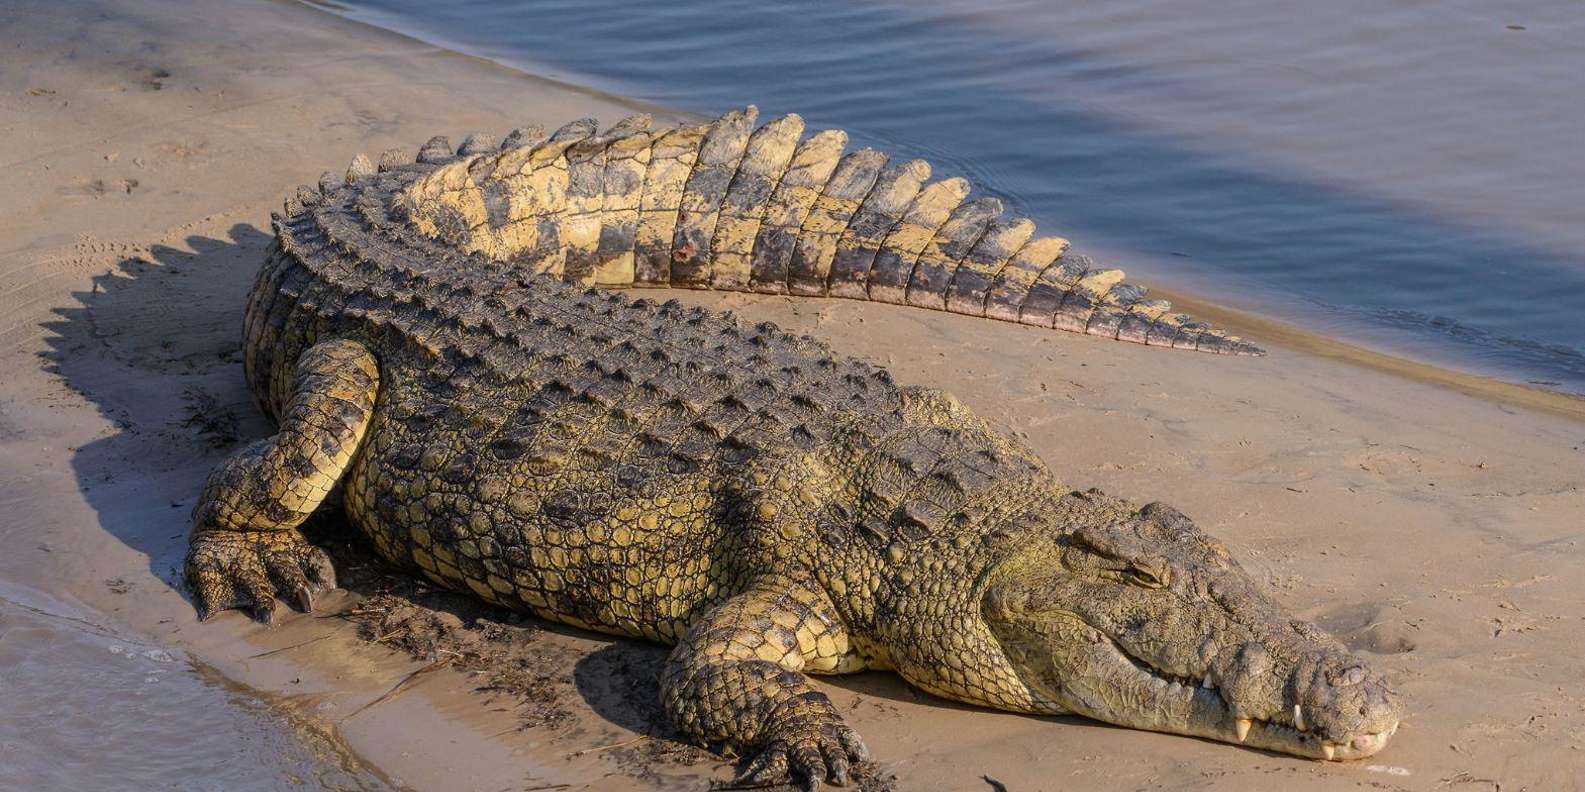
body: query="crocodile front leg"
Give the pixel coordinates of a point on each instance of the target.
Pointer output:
(735, 680)
(245, 546)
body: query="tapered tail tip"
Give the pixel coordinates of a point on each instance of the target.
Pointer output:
(1228, 345)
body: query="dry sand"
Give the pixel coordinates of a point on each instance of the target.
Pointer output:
(1436, 530)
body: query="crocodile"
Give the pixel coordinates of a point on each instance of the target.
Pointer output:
(431, 339)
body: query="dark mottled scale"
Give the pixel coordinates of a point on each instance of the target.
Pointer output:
(700, 208)
(1073, 313)
(436, 151)
(1188, 333)
(476, 143)
(812, 254)
(1107, 320)
(800, 185)
(897, 256)
(672, 158)
(627, 160)
(1134, 327)
(1142, 316)
(1224, 345)
(1041, 303)
(895, 189)
(579, 228)
(765, 159)
(1013, 285)
(524, 137)
(979, 269)
(549, 252)
(1163, 332)
(938, 262)
(1072, 308)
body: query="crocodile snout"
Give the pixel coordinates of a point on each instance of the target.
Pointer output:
(1323, 701)
(1349, 708)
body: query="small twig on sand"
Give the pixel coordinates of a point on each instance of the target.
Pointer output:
(391, 634)
(289, 648)
(399, 686)
(598, 749)
(724, 786)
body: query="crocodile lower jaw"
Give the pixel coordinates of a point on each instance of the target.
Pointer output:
(1284, 737)
(1203, 713)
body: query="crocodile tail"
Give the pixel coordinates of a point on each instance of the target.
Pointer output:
(726, 206)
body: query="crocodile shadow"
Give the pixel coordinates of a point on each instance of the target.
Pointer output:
(154, 344)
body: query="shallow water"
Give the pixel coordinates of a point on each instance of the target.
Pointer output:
(85, 707)
(1405, 175)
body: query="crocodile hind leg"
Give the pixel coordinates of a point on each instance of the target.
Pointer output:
(245, 546)
(735, 680)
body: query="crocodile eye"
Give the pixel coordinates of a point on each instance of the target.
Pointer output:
(1144, 578)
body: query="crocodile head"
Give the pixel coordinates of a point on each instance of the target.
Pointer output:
(1139, 619)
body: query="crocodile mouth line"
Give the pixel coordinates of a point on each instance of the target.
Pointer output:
(1212, 717)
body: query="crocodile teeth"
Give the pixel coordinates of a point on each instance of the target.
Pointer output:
(1298, 718)
(1330, 750)
(1207, 684)
(1242, 727)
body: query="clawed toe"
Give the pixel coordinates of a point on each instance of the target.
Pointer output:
(806, 762)
(247, 571)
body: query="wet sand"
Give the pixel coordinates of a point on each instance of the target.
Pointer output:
(89, 707)
(1435, 529)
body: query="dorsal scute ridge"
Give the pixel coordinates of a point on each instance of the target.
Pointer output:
(699, 208)
(587, 312)
(766, 158)
(727, 206)
(805, 176)
(895, 189)
(845, 190)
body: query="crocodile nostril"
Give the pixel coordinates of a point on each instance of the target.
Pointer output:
(1347, 677)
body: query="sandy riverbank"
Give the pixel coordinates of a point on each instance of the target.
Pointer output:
(1436, 529)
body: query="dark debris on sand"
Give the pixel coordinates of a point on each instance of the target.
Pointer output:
(441, 627)
(543, 680)
(506, 652)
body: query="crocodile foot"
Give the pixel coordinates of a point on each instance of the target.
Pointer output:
(248, 569)
(809, 743)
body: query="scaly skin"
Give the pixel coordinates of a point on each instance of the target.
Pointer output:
(770, 509)
(723, 206)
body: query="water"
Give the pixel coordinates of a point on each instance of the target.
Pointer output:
(84, 707)
(1406, 175)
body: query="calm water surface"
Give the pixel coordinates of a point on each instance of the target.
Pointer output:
(85, 707)
(1410, 175)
